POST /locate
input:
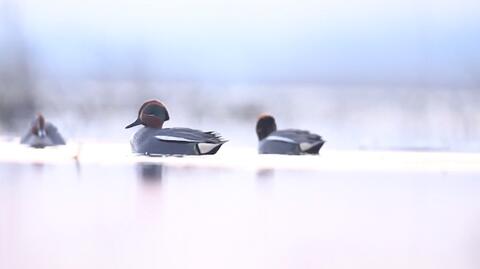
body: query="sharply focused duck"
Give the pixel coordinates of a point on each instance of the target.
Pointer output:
(154, 140)
(289, 141)
(42, 134)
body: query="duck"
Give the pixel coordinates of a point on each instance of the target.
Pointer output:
(153, 139)
(42, 134)
(288, 141)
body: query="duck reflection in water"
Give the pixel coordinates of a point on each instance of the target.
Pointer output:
(150, 172)
(265, 173)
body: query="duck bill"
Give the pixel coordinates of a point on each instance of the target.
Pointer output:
(135, 123)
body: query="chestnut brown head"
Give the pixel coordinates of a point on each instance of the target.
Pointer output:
(265, 126)
(38, 126)
(151, 114)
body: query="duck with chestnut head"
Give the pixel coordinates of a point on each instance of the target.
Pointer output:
(153, 139)
(288, 141)
(42, 134)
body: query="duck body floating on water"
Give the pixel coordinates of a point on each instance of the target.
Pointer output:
(153, 139)
(288, 141)
(42, 134)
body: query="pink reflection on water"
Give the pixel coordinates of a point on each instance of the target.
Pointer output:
(121, 216)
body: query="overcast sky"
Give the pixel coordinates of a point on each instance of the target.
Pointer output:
(254, 40)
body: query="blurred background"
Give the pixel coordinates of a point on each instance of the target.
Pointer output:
(365, 74)
(371, 74)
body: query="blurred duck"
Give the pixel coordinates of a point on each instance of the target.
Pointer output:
(289, 141)
(42, 134)
(154, 140)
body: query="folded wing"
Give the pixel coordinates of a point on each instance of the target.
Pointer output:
(188, 135)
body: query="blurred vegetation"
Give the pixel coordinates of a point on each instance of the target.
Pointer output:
(17, 85)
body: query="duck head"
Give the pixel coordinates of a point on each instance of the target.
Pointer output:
(151, 114)
(38, 126)
(265, 126)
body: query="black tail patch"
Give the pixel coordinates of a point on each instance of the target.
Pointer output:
(315, 149)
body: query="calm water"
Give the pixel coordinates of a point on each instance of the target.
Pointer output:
(75, 215)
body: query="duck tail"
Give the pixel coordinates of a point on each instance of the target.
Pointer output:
(316, 148)
(208, 148)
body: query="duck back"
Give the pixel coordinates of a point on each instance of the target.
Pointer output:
(175, 141)
(291, 142)
(278, 147)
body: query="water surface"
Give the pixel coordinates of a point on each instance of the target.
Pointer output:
(200, 213)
